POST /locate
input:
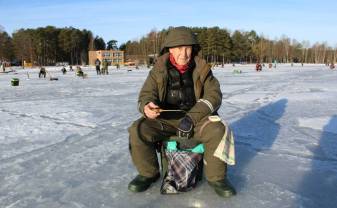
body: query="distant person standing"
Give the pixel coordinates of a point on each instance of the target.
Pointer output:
(98, 66)
(105, 67)
(332, 66)
(2, 64)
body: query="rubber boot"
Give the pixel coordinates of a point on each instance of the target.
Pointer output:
(141, 183)
(223, 188)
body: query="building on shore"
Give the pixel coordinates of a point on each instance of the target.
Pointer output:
(113, 57)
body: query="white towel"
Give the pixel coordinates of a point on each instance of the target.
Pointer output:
(226, 149)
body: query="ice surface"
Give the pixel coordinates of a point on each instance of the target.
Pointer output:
(65, 143)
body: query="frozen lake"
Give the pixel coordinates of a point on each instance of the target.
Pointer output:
(65, 143)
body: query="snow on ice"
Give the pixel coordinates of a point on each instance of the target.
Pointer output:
(65, 143)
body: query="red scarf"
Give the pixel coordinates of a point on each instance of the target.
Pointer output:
(180, 68)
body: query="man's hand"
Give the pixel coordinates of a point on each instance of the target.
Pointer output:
(185, 128)
(151, 110)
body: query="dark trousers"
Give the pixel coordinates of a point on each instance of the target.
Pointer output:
(98, 70)
(145, 134)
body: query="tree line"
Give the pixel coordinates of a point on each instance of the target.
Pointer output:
(48, 45)
(222, 46)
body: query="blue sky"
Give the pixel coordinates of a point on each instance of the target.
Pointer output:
(122, 20)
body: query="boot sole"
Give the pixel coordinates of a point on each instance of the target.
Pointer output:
(137, 189)
(225, 194)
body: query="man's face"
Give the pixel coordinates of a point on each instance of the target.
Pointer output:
(181, 54)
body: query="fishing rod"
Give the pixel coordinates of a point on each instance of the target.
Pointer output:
(159, 110)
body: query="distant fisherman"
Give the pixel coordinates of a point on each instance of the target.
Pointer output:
(42, 72)
(64, 71)
(79, 71)
(258, 66)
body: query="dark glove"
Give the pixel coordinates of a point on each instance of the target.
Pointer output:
(185, 128)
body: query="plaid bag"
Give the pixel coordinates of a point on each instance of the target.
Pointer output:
(183, 171)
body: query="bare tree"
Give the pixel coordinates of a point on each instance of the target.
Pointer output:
(305, 46)
(334, 54)
(285, 41)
